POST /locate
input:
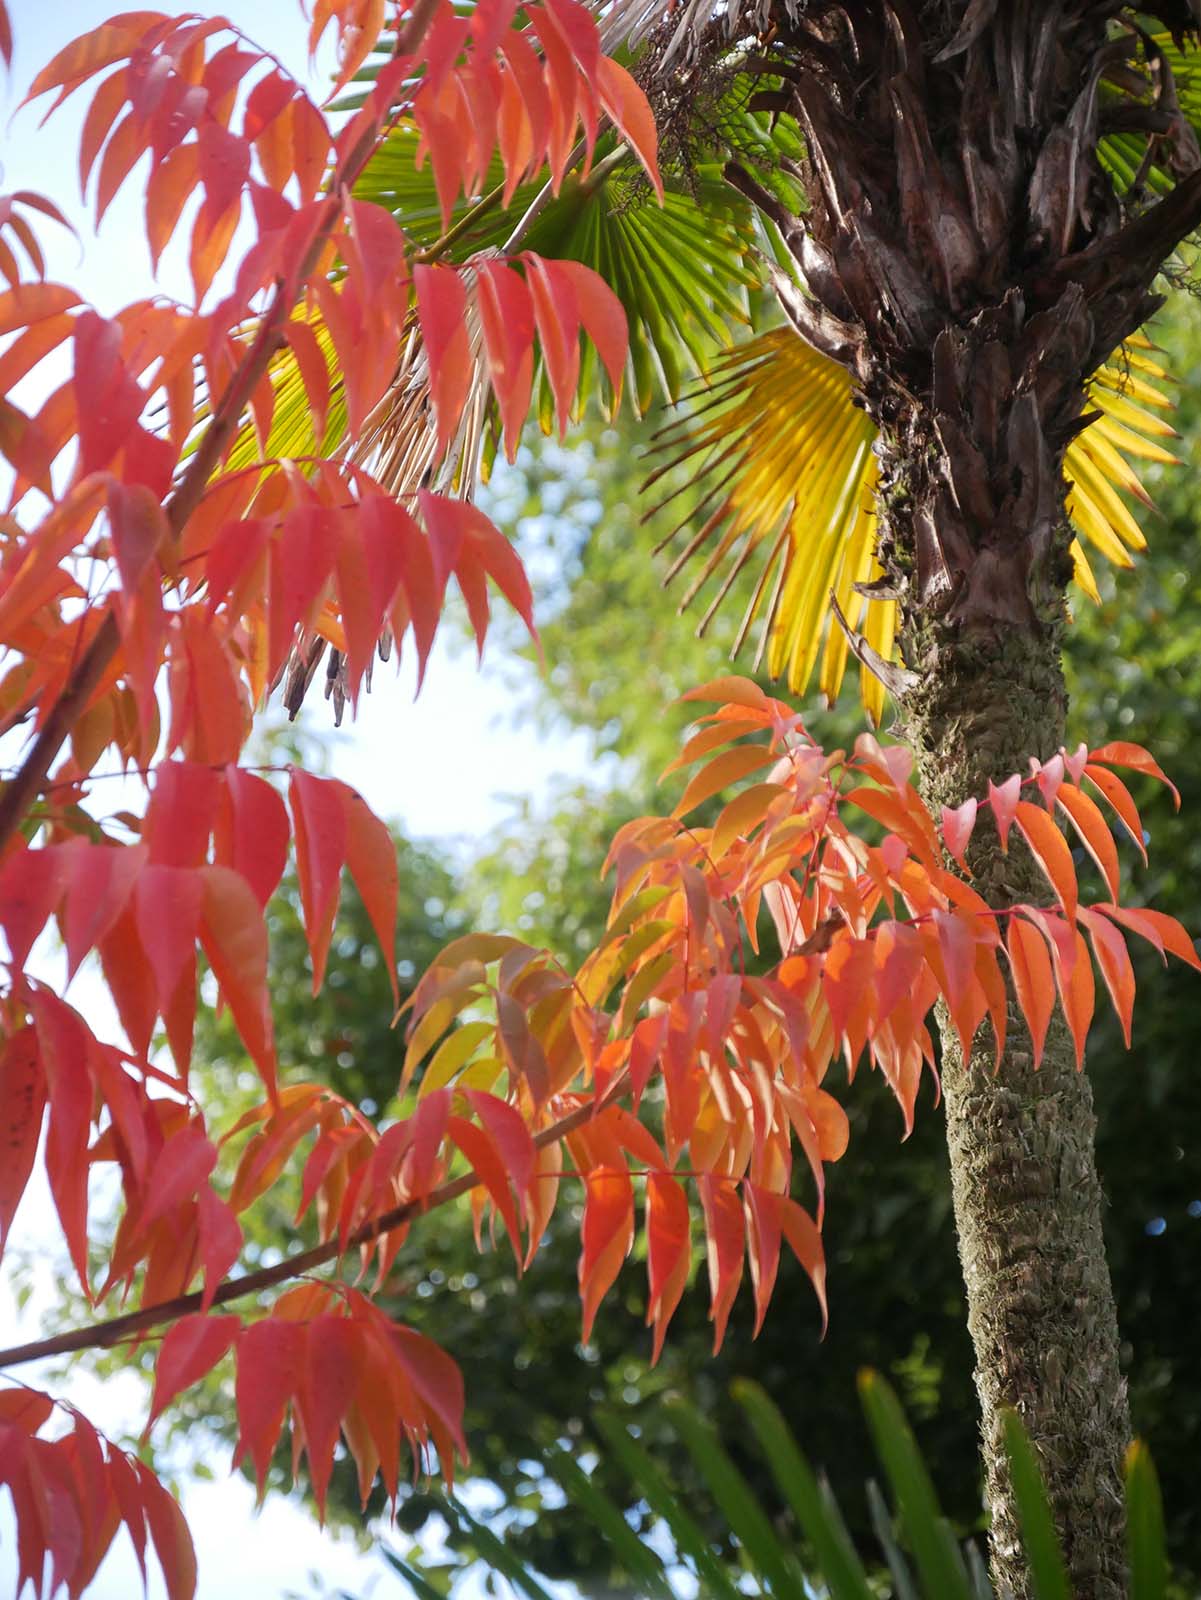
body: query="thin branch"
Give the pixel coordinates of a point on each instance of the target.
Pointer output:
(115, 1330)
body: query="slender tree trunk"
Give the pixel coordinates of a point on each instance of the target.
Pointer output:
(1026, 1192)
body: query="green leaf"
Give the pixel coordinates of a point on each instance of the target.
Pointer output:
(840, 1566)
(639, 1560)
(1039, 1539)
(930, 1538)
(772, 1561)
(413, 1576)
(902, 1578)
(716, 1583)
(499, 1557)
(1144, 1527)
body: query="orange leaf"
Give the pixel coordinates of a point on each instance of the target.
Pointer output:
(485, 1161)
(442, 312)
(909, 821)
(1159, 929)
(1120, 753)
(510, 1136)
(557, 314)
(724, 1235)
(314, 372)
(252, 832)
(1033, 980)
(92, 51)
(1114, 960)
(180, 1169)
(65, 1045)
(439, 1385)
(629, 110)
(1077, 992)
(270, 1354)
(1050, 850)
(729, 767)
(763, 1239)
(602, 315)
(326, 1389)
(168, 902)
(1116, 792)
(731, 691)
(668, 1251)
(22, 1102)
(1094, 832)
(234, 936)
(172, 1541)
(371, 857)
(29, 303)
(805, 1241)
(319, 827)
(507, 321)
(606, 1235)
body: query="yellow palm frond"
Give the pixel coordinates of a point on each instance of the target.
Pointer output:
(790, 481)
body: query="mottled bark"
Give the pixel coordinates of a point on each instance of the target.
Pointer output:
(1027, 1197)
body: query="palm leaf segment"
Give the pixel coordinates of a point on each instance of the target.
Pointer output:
(683, 272)
(790, 479)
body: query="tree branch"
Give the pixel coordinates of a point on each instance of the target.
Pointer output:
(101, 1335)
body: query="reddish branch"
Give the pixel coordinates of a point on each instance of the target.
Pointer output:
(115, 1330)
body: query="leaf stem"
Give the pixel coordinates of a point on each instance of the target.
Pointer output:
(456, 231)
(537, 206)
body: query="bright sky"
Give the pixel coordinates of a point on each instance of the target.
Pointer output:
(441, 766)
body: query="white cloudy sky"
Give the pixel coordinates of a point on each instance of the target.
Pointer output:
(442, 766)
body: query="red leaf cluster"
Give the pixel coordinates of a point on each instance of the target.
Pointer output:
(339, 1365)
(73, 1493)
(872, 936)
(167, 574)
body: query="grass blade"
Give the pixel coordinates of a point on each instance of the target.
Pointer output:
(772, 1561)
(837, 1561)
(715, 1582)
(1039, 1539)
(930, 1538)
(640, 1562)
(1144, 1527)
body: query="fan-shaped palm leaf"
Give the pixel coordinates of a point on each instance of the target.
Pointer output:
(684, 273)
(791, 477)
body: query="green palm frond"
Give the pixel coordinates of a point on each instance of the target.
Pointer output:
(685, 273)
(788, 462)
(1129, 157)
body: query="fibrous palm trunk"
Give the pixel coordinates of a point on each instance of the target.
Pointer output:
(967, 258)
(1026, 1192)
